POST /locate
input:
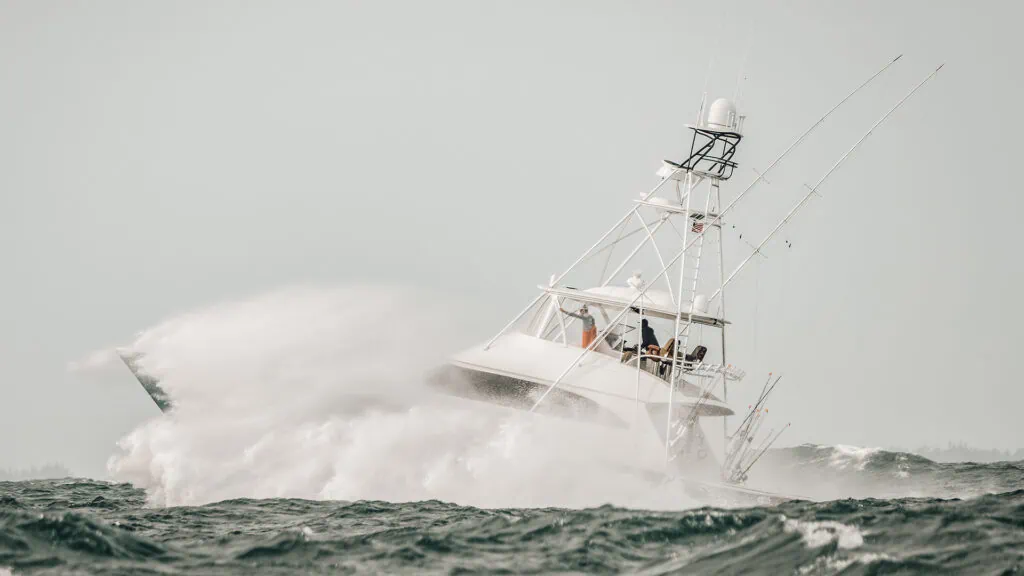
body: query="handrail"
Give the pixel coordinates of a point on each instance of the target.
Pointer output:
(734, 373)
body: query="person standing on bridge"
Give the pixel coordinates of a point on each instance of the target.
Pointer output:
(589, 325)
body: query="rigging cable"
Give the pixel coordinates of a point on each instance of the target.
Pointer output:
(610, 252)
(757, 309)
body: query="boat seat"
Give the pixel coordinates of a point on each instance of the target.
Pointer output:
(668, 349)
(698, 355)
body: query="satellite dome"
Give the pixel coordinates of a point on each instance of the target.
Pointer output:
(722, 115)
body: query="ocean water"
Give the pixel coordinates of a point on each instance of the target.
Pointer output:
(78, 526)
(302, 442)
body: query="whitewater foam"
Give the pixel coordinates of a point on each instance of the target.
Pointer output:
(304, 393)
(826, 565)
(844, 456)
(818, 534)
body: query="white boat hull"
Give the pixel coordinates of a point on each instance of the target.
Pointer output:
(518, 369)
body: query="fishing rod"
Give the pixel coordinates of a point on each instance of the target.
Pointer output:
(734, 473)
(760, 402)
(755, 429)
(744, 442)
(747, 469)
(742, 437)
(763, 442)
(759, 397)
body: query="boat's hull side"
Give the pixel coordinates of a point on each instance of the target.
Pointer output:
(615, 387)
(518, 370)
(520, 394)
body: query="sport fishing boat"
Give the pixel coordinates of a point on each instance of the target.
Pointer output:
(611, 369)
(652, 398)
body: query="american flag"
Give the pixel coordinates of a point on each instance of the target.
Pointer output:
(698, 226)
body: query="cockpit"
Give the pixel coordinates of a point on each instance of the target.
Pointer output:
(625, 322)
(658, 360)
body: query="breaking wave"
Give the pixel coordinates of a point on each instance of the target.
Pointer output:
(833, 472)
(318, 393)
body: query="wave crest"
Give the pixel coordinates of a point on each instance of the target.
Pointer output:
(826, 472)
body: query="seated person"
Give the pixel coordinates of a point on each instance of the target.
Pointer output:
(649, 341)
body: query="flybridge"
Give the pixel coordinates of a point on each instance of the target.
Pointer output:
(654, 303)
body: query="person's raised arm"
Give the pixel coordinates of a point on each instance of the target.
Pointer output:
(573, 314)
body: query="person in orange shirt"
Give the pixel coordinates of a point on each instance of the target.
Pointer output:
(589, 325)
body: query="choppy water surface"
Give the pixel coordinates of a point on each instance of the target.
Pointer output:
(84, 526)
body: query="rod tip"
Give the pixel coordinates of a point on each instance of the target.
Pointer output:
(897, 58)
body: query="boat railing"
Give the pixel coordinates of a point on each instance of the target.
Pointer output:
(700, 369)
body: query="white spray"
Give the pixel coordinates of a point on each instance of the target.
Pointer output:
(318, 393)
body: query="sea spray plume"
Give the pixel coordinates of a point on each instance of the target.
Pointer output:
(258, 380)
(317, 393)
(300, 340)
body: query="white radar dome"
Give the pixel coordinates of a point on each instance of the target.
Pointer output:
(722, 115)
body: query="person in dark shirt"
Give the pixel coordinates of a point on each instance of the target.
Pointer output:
(649, 340)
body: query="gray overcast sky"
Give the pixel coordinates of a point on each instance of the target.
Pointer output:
(156, 157)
